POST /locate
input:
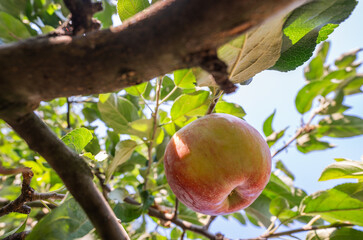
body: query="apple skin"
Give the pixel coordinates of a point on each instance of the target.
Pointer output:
(217, 164)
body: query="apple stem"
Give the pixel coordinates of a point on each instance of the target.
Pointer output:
(214, 101)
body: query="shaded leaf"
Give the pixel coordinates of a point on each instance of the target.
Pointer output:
(251, 53)
(259, 210)
(68, 221)
(78, 139)
(105, 16)
(127, 212)
(117, 112)
(124, 150)
(280, 165)
(19, 229)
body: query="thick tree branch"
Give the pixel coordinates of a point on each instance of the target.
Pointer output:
(167, 36)
(74, 172)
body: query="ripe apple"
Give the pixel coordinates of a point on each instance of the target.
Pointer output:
(217, 164)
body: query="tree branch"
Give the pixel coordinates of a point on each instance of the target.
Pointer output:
(74, 172)
(168, 36)
(183, 224)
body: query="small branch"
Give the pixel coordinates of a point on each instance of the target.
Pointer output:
(175, 216)
(27, 195)
(304, 229)
(183, 234)
(214, 101)
(17, 236)
(6, 171)
(298, 133)
(82, 12)
(73, 170)
(210, 220)
(68, 114)
(159, 82)
(183, 224)
(169, 94)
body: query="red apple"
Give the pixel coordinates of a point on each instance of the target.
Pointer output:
(217, 164)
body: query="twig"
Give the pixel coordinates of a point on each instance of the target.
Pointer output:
(169, 94)
(27, 195)
(82, 12)
(159, 81)
(68, 114)
(73, 170)
(6, 171)
(304, 229)
(183, 234)
(210, 220)
(298, 133)
(176, 208)
(214, 101)
(183, 224)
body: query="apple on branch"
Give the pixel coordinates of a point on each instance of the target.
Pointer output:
(217, 164)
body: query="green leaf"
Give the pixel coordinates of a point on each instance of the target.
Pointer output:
(341, 203)
(259, 210)
(167, 87)
(239, 217)
(278, 205)
(12, 29)
(78, 139)
(310, 91)
(307, 143)
(230, 108)
(128, 8)
(251, 53)
(340, 126)
(117, 112)
(307, 26)
(343, 169)
(175, 233)
(335, 234)
(347, 59)
(91, 114)
(280, 165)
(124, 149)
(137, 90)
(184, 78)
(13, 7)
(142, 128)
(19, 229)
(195, 104)
(353, 85)
(105, 16)
(274, 137)
(68, 221)
(315, 69)
(127, 212)
(267, 125)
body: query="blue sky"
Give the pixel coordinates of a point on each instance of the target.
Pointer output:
(272, 90)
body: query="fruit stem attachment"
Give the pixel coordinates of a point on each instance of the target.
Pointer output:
(214, 101)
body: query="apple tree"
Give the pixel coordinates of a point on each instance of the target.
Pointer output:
(88, 108)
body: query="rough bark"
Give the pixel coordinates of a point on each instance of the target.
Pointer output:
(167, 36)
